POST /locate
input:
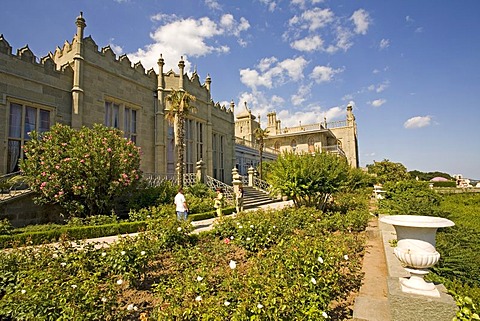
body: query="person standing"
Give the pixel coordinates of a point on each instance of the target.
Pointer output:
(181, 205)
(239, 199)
(219, 202)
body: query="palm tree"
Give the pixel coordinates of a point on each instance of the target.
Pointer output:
(260, 135)
(178, 108)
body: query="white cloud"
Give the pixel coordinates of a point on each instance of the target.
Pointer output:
(312, 19)
(213, 5)
(266, 63)
(259, 104)
(273, 73)
(308, 44)
(362, 20)
(270, 4)
(302, 3)
(232, 26)
(118, 50)
(417, 122)
(312, 115)
(334, 113)
(302, 94)
(384, 44)
(324, 73)
(343, 40)
(378, 102)
(380, 87)
(188, 37)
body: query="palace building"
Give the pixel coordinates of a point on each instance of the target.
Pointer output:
(79, 85)
(339, 137)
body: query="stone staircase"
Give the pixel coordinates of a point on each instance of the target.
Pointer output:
(253, 197)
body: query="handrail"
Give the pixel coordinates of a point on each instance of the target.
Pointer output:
(13, 184)
(333, 149)
(153, 179)
(261, 184)
(254, 145)
(227, 190)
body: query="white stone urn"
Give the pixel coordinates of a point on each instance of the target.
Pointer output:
(416, 249)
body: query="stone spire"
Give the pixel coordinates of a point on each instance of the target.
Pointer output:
(181, 66)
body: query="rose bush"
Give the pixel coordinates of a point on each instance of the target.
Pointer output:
(80, 170)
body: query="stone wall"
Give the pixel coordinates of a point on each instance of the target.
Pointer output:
(22, 211)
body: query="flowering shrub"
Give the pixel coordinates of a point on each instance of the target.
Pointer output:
(263, 265)
(81, 170)
(293, 264)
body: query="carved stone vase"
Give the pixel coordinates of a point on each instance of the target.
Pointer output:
(416, 249)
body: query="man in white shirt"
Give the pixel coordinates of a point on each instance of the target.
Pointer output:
(181, 205)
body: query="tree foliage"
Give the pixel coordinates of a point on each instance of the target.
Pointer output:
(308, 179)
(80, 170)
(426, 176)
(178, 109)
(409, 197)
(387, 171)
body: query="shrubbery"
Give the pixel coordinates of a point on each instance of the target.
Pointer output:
(410, 197)
(308, 179)
(289, 264)
(81, 170)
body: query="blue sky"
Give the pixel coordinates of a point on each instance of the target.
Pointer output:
(410, 68)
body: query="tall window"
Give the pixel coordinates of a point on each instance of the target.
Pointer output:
(130, 124)
(218, 157)
(199, 141)
(214, 155)
(189, 139)
(171, 152)
(22, 120)
(222, 160)
(112, 115)
(113, 118)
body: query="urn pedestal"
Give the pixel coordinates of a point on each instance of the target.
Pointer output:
(416, 249)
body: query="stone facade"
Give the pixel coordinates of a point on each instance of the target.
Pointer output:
(80, 85)
(334, 137)
(246, 150)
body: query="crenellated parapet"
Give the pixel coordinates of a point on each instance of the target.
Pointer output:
(224, 108)
(25, 54)
(104, 57)
(5, 47)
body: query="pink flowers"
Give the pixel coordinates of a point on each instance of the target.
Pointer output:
(109, 149)
(227, 240)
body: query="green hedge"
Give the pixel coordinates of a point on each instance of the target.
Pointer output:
(75, 232)
(444, 184)
(87, 232)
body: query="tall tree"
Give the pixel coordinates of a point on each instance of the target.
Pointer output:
(387, 171)
(179, 106)
(260, 135)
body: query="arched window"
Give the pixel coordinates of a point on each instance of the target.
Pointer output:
(293, 144)
(276, 146)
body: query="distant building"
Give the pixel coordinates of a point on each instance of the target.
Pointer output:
(80, 85)
(338, 137)
(246, 148)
